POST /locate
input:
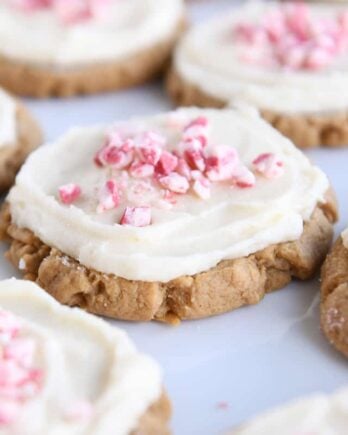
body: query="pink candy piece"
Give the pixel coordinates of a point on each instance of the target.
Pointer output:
(79, 411)
(193, 154)
(183, 168)
(175, 183)
(117, 153)
(141, 170)
(11, 373)
(31, 5)
(269, 165)
(69, 193)
(150, 154)
(9, 326)
(243, 178)
(298, 20)
(72, 11)
(221, 163)
(68, 11)
(202, 188)
(136, 216)
(167, 163)
(197, 129)
(20, 350)
(201, 121)
(169, 197)
(109, 197)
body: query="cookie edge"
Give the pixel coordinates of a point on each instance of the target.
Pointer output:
(241, 281)
(12, 156)
(334, 297)
(306, 131)
(44, 82)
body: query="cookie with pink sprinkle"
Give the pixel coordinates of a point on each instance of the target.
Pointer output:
(19, 135)
(68, 47)
(289, 59)
(181, 215)
(65, 371)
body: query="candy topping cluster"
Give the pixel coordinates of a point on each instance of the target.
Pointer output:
(20, 380)
(292, 38)
(68, 11)
(145, 165)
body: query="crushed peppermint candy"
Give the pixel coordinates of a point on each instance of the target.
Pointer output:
(269, 165)
(69, 193)
(291, 37)
(109, 197)
(144, 171)
(175, 183)
(20, 379)
(68, 11)
(136, 216)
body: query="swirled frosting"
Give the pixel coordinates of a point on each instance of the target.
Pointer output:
(192, 236)
(130, 26)
(92, 381)
(319, 414)
(7, 119)
(209, 57)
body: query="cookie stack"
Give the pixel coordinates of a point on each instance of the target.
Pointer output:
(182, 215)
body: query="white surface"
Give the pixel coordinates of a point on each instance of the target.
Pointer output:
(251, 359)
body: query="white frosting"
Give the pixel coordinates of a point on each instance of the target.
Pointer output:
(208, 58)
(83, 358)
(192, 237)
(131, 26)
(318, 414)
(8, 128)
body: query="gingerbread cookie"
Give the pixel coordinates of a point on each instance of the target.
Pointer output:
(64, 371)
(320, 414)
(19, 135)
(290, 61)
(334, 295)
(177, 216)
(67, 47)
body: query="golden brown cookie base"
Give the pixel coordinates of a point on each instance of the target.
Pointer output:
(229, 285)
(13, 156)
(334, 297)
(306, 131)
(36, 81)
(155, 420)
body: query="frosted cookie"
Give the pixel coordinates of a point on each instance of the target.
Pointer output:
(68, 47)
(290, 61)
(66, 372)
(318, 414)
(334, 294)
(177, 216)
(19, 135)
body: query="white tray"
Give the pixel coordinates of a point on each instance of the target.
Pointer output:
(223, 370)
